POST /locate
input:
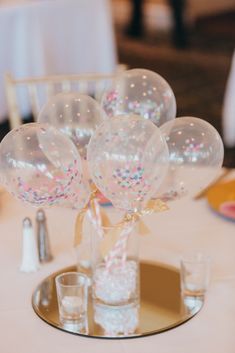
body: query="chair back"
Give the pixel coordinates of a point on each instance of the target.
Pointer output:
(26, 96)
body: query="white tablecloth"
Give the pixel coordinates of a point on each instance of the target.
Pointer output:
(229, 108)
(55, 37)
(188, 225)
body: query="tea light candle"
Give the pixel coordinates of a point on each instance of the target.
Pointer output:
(72, 304)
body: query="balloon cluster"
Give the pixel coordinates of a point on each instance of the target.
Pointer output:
(131, 146)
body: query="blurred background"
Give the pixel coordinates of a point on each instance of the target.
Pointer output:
(188, 42)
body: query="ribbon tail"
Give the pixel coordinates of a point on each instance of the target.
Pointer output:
(104, 218)
(93, 207)
(143, 229)
(79, 227)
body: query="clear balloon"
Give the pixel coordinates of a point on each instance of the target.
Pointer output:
(196, 156)
(79, 195)
(140, 92)
(128, 159)
(74, 114)
(41, 166)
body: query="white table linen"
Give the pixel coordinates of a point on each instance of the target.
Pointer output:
(188, 225)
(39, 38)
(229, 108)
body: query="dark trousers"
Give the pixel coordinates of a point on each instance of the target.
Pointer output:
(179, 32)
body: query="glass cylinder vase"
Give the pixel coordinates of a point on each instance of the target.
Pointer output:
(115, 265)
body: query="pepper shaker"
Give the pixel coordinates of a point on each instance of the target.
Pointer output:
(43, 237)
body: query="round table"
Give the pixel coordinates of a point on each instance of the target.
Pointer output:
(188, 225)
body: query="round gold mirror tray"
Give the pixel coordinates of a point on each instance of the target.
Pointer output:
(162, 307)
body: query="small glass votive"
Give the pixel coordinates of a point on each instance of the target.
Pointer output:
(72, 295)
(194, 274)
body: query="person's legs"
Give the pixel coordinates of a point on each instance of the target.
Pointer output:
(179, 34)
(135, 27)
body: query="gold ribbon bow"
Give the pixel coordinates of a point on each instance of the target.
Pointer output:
(152, 207)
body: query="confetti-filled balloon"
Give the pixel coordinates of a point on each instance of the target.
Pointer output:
(74, 114)
(41, 166)
(79, 195)
(196, 156)
(128, 159)
(140, 92)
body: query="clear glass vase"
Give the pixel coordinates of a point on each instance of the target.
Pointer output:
(115, 265)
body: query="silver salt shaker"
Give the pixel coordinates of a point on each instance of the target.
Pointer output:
(44, 249)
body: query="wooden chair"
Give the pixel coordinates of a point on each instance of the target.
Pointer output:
(38, 90)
